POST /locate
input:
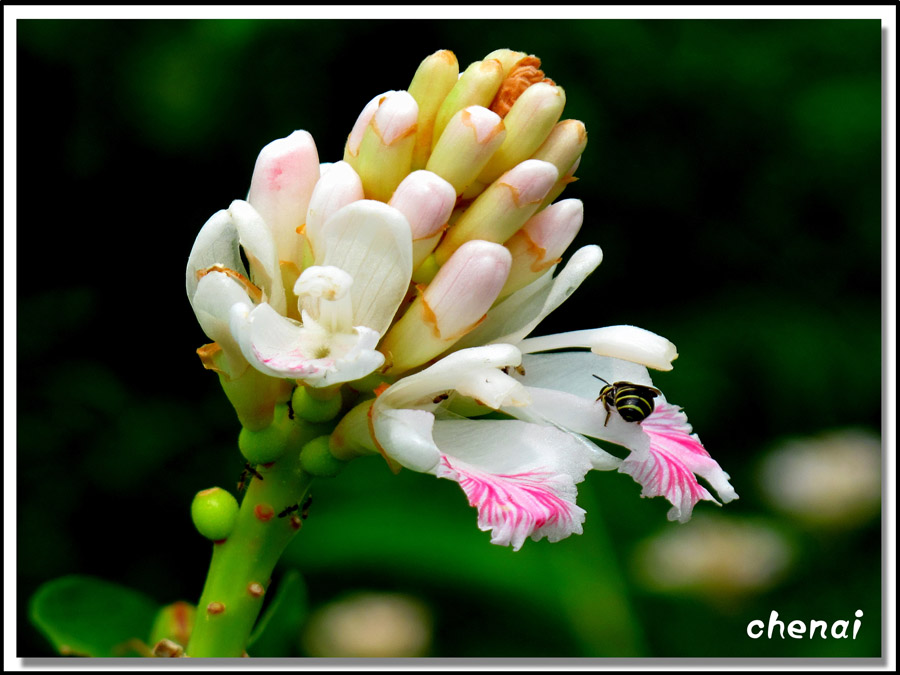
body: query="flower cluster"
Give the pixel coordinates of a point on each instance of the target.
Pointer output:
(408, 277)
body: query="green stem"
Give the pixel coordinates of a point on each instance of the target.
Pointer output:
(242, 565)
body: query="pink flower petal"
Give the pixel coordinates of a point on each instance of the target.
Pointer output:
(674, 457)
(535, 503)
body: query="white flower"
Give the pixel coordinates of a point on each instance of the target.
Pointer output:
(715, 558)
(449, 185)
(832, 479)
(346, 300)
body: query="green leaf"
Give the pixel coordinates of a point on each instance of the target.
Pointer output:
(85, 616)
(277, 632)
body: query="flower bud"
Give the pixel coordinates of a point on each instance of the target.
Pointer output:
(541, 242)
(507, 58)
(268, 444)
(383, 154)
(283, 180)
(564, 145)
(214, 512)
(528, 124)
(426, 200)
(466, 146)
(354, 140)
(453, 304)
(502, 208)
(476, 86)
(339, 186)
(433, 80)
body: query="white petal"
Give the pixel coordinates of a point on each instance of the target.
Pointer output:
(372, 243)
(216, 294)
(518, 315)
(259, 247)
(573, 372)
(472, 372)
(217, 243)
(563, 392)
(622, 342)
(509, 446)
(406, 436)
(281, 347)
(582, 416)
(283, 179)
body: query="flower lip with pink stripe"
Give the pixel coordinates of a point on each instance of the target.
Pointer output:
(514, 506)
(669, 468)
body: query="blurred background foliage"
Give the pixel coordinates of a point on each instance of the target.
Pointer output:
(732, 178)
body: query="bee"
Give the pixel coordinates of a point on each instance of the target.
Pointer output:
(633, 401)
(248, 471)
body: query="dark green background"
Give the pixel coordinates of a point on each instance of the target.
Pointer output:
(732, 178)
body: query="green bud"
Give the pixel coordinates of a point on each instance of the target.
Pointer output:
(316, 458)
(214, 512)
(267, 445)
(311, 408)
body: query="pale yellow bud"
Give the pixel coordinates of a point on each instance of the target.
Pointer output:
(384, 152)
(541, 242)
(433, 80)
(453, 304)
(426, 200)
(502, 208)
(466, 146)
(476, 86)
(564, 145)
(507, 58)
(528, 124)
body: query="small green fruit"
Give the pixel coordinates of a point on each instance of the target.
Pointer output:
(214, 512)
(267, 445)
(316, 458)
